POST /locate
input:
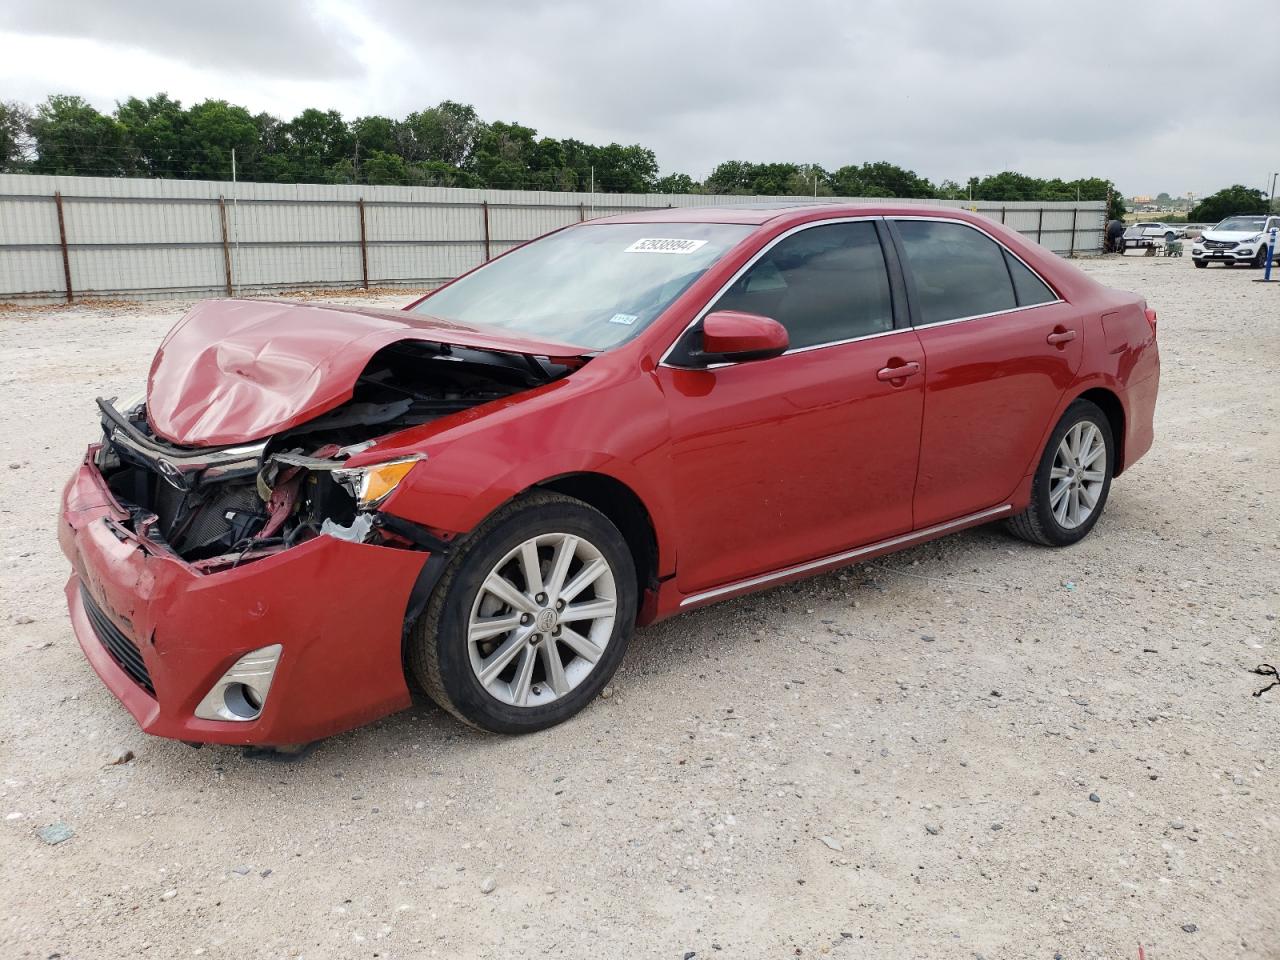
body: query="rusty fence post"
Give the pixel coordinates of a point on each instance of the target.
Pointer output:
(1040, 226)
(364, 246)
(1002, 212)
(226, 246)
(1075, 212)
(62, 239)
(488, 255)
(582, 212)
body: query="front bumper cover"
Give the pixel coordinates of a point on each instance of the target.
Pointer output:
(337, 607)
(1242, 254)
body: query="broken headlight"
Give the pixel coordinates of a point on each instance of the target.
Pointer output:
(372, 484)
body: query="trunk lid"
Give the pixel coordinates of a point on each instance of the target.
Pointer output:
(233, 371)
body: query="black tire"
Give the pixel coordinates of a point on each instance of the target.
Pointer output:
(1037, 524)
(1260, 259)
(1200, 264)
(1170, 237)
(437, 650)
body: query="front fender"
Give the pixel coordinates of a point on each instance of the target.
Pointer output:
(620, 433)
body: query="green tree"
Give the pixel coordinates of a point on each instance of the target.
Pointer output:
(446, 132)
(156, 130)
(316, 141)
(620, 169)
(677, 183)
(215, 128)
(71, 137)
(1236, 198)
(503, 155)
(730, 176)
(14, 121)
(384, 168)
(1008, 186)
(890, 180)
(377, 135)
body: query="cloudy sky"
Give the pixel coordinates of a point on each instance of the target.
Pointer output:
(1164, 96)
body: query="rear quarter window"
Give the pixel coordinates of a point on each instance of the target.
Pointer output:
(1027, 287)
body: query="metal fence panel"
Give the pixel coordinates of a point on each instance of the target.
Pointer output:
(147, 238)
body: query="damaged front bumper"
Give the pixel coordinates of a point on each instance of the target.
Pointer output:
(161, 633)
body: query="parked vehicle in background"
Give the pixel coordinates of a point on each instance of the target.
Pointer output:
(1148, 234)
(1238, 239)
(316, 505)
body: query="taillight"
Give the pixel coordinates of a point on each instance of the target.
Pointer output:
(1151, 319)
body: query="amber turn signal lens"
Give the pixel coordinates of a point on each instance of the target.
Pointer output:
(380, 480)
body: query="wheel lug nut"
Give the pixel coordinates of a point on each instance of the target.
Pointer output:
(525, 618)
(541, 598)
(559, 604)
(555, 632)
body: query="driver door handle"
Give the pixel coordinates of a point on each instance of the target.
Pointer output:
(900, 372)
(1060, 336)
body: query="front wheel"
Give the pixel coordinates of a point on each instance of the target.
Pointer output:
(530, 619)
(1200, 264)
(1070, 486)
(1260, 259)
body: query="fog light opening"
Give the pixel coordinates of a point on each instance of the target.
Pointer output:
(242, 700)
(242, 691)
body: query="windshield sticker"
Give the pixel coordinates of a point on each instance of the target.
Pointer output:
(664, 245)
(626, 319)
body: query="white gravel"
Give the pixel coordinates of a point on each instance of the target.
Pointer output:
(817, 769)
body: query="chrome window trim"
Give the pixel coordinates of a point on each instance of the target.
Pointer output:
(663, 362)
(847, 555)
(751, 263)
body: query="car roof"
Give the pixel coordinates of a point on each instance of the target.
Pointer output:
(758, 213)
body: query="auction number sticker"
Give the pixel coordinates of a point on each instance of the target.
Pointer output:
(665, 245)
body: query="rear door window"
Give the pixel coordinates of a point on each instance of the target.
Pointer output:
(957, 271)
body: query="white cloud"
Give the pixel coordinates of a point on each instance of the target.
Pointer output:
(1130, 91)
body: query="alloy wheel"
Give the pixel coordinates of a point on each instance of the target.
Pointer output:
(541, 619)
(1078, 475)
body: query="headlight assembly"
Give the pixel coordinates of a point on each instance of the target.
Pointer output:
(372, 484)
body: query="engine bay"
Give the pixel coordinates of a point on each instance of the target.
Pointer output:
(217, 507)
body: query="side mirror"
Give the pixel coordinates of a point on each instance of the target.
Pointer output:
(729, 336)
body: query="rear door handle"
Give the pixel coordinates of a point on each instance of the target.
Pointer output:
(900, 372)
(1060, 336)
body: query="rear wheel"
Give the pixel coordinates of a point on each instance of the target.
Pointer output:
(1072, 482)
(531, 618)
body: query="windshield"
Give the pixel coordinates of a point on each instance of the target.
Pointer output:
(594, 285)
(1241, 224)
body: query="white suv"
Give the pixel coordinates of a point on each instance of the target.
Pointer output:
(1238, 239)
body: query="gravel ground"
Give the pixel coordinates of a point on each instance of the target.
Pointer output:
(973, 748)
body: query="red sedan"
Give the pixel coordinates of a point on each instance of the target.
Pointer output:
(315, 506)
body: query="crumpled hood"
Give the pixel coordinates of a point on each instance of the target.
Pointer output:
(233, 371)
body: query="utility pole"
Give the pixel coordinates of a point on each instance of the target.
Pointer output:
(235, 214)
